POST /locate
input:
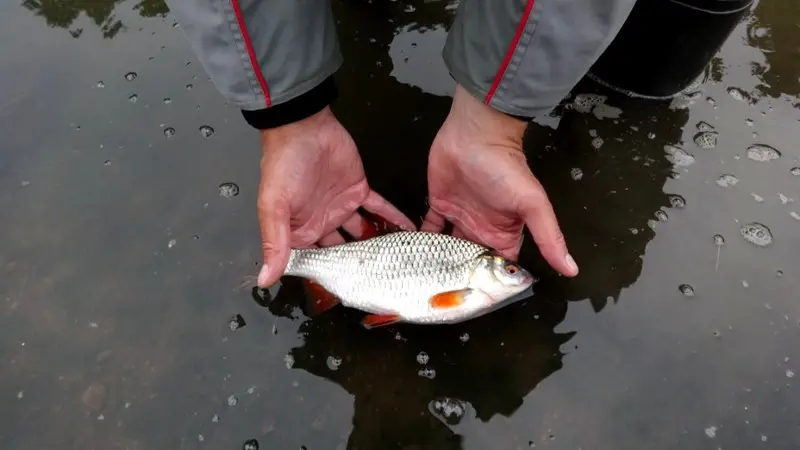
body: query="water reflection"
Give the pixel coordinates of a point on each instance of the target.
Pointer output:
(776, 39)
(63, 13)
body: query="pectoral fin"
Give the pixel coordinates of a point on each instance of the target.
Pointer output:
(450, 299)
(380, 320)
(319, 299)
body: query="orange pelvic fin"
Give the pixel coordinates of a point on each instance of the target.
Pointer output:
(374, 225)
(450, 299)
(380, 320)
(319, 299)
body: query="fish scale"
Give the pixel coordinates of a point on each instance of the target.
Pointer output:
(396, 273)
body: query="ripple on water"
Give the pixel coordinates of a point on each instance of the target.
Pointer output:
(678, 156)
(757, 234)
(762, 153)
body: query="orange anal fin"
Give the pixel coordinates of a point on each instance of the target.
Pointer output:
(380, 320)
(449, 299)
(319, 299)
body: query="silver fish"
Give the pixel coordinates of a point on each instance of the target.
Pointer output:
(410, 276)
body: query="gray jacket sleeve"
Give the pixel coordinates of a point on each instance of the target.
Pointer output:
(272, 58)
(523, 57)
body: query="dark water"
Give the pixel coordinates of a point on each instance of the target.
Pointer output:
(119, 257)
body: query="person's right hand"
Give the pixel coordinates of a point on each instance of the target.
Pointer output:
(312, 182)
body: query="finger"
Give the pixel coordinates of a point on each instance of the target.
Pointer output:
(359, 227)
(509, 252)
(433, 222)
(273, 218)
(331, 239)
(541, 221)
(379, 206)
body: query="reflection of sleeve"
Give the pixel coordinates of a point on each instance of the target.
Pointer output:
(272, 58)
(522, 57)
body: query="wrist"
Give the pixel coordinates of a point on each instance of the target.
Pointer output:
(297, 109)
(488, 122)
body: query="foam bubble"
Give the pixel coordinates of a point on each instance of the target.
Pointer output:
(757, 234)
(762, 153)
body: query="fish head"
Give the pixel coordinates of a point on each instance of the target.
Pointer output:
(499, 278)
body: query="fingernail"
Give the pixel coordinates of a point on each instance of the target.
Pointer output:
(573, 267)
(262, 276)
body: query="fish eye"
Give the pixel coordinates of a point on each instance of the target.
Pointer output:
(511, 269)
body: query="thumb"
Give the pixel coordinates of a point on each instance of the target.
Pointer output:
(273, 217)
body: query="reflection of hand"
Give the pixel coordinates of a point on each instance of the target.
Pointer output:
(479, 180)
(312, 182)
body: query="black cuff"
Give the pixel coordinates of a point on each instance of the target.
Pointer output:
(296, 109)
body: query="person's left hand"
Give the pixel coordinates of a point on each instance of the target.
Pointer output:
(479, 180)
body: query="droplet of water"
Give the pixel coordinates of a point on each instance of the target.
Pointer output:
(676, 201)
(232, 400)
(762, 153)
(101, 85)
(206, 131)
(739, 94)
(236, 322)
(427, 373)
(334, 362)
(686, 289)
(449, 410)
(423, 358)
(130, 76)
(719, 240)
(228, 190)
(706, 139)
(704, 126)
(169, 132)
(795, 171)
(757, 234)
(133, 98)
(727, 180)
(250, 444)
(167, 100)
(576, 173)
(678, 156)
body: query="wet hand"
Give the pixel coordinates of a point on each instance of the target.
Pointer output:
(479, 180)
(312, 183)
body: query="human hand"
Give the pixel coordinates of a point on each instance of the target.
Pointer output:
(479, 180)
(312, 182)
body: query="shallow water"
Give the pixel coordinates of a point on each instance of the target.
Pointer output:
(127, 224)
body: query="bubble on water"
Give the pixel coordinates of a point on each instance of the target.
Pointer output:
(130, 76)
(745, 284)
(250, 444)
(711, 101)
(778, 273)
(784, 199)
(215, 418)
(100, 85)
(228, 190)
(687, 290)
(789, 373)
(652, 224)
(236, 322)
(289, 361)
(334, 362)
(201, 438)
(427, 373)
(449, 410)
(757, 234)
(206, 131)
(169, 132)
(711, 431)
(172, 243)
(576, 173)
(133, 98)
(719, 240)
(604, 111)
(739, 94)
(423, 358)
(584, 103)
(464, 337)
(757, 197)
(20, 394)
(232, 400)
(727, 180)
(597, 143)
(107, 162)
(704, 126)
(749, 122)
(593, 133)
(706, 139)
(794, 215)
(661, 215)
(189, 86)
(676, 201)
(167, 100)
(762, 153)
(651, 135)
(794, 171)
(678, 156)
